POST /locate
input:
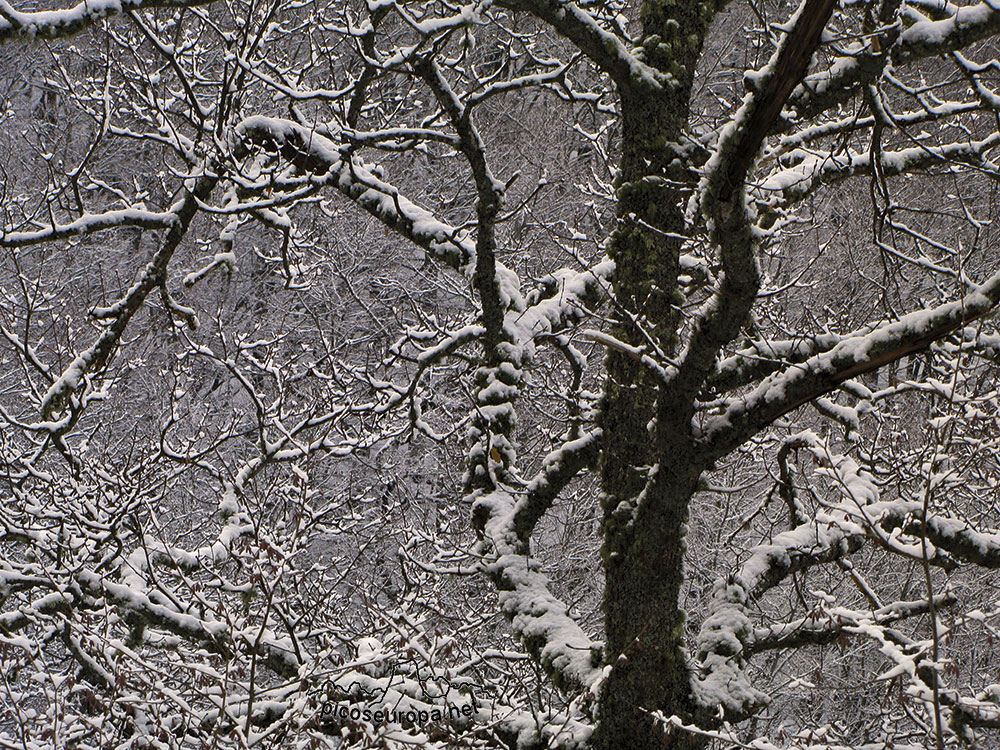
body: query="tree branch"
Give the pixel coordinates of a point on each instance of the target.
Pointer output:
(827, 626)
(602, 47)
(723, 196)
(782, 392)
(923, 39)
(53, 24)
(329, 162)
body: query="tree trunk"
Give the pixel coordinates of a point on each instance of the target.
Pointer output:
(645, 515)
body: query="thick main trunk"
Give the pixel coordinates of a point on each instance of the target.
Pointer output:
(645, 512)
(644, 625)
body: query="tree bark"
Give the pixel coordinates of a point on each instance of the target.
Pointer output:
(645, 512)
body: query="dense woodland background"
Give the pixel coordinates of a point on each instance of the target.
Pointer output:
(347, 349)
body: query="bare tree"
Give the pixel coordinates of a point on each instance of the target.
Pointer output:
(707, 285)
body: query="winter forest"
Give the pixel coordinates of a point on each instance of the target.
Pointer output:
(515, 374)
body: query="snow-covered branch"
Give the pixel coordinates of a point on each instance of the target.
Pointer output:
(922, 38)
(88, 223)
(827, 624)
(540, 620)
(92, 360)
(606, 49)
(52, 24)
(799, 383)
(329, 164)
(722, 195)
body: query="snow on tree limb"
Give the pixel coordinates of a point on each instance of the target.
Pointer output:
(607, 50)
(316, 154)
(726, 639)
(828, 623)
(94, 359)
(922, 38)
(961, 26)
(954, 535)
(722, 194)
(762, 358)
(52, 24)
(783, 391)
(88, 223)
(541, 621)
(558, 468)
(795, 183)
